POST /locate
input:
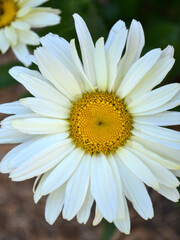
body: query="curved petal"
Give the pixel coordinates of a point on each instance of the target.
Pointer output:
(84, 212)
(136, 192)
(137, 72)
(54, 204)
(134, 46)
(87, 47)
(62, 172)
(160, 119)
(40, 125)
(54, 71)
(103, 187)
(137, 167)
(76, 189)
(153, 99)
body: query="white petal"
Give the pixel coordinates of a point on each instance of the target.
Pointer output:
(113, 56)
(28, 37)
(16, 71)
(45, 107)
(169, 193)
(153, 77)
(137, 167)
(38, 18)
(162, 135)
(174, 102)
(118, 26)
(5, 166)
(87, 47)
(88, 84)
(125, 224)
(137, 72)
(22, 53)
(37, 192)
(166, 162)
(54, 204)
(100, 65)
(36, 85)
(134, 46)
(76, 189)
(62, 172)
(14, 108)
(165, 152)
(160, 119)
(11, 35)
(22, 12)
(31, 3)
(32, 149)
(54, 71)
(103, 187)
(98, 217)
(153, 99)
(6, 123)
(4, 43)
(43, 161)
(84, 212)
(136, 192)
(120, 194)
(40, 125)
(18, 24)
(159, 132)
(148, 137)
(163, 175)
(60, 48)
(12, 136)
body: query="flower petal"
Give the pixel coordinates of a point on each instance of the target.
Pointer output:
(54, 71)
(137, 72)
(137, 167)
(87, 47)
(40, 125)
(14, 108)
(136, 192)
(62, 172)
(100, 65)
(54, 204)
(103, 187)
(160, 119)
(45, 107)
(84, 212)
(153, 99)
(134, 46)
(22, 53)
(78, 183)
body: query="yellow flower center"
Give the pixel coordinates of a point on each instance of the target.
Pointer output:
(100, 122)
(8, 10)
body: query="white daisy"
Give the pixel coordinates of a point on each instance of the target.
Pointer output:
(92, 132)
(17, 17)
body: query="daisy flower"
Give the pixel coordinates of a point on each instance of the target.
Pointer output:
(95, 129)
(17, 17)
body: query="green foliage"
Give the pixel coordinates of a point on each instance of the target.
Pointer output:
(160, 20)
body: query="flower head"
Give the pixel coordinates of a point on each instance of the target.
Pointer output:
(94, 129)
(17, 17)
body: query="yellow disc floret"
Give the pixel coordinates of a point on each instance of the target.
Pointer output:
(8, 9)
(100, 122)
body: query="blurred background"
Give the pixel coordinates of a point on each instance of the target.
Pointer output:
(20, 218)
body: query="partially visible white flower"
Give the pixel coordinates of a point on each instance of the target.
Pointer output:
(17, 17)
(94, 130)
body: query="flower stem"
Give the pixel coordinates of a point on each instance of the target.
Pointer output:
(108, 230)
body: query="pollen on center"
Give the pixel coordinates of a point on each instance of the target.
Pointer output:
(100, 122)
